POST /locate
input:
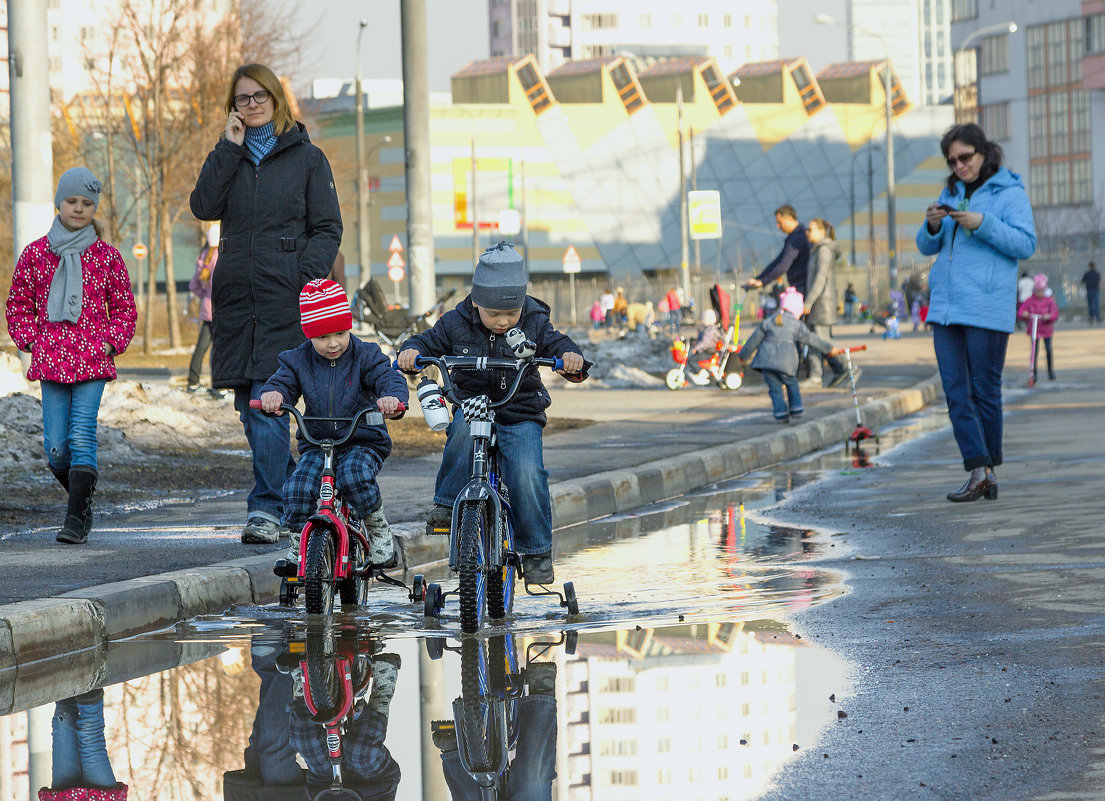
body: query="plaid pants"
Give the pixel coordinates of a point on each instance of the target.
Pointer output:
(355, 470)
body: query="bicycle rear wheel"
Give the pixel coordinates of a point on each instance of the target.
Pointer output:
(470, 564)
(319, 576)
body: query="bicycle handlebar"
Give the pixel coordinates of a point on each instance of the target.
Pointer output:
(372, 417)
(474, 363)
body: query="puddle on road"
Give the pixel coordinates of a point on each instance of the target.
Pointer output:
(674, 682)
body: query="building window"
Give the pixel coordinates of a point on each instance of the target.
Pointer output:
(1080, 122)
(676, 21)
(964, 9)
(728, 51)
(624, 777)
(727, 20)
(993, 55)
(596, 22)
(1082, 188)
(644, 20)
(1095, 33)
(1036, 48)
(704, 20)
(618, 716)
(1038, 185)
(995, 120)
(1057, 54)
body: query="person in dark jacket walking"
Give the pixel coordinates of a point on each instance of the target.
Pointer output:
(273, 192)
(820, 300)
(497, 303)
(793, 259)
(337, 375)
(1092, 279)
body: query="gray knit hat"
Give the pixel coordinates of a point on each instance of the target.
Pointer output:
(499, 281)
(78, 181)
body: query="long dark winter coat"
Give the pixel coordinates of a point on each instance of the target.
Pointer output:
(460, 333)
(281, 227)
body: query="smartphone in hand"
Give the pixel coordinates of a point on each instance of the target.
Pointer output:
(946, 207)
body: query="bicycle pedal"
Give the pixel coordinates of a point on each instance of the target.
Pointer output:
(436, 531)
(285, 568)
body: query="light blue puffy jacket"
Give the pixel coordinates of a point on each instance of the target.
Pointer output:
(974, 278)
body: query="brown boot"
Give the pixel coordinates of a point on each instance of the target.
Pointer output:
(78, 514)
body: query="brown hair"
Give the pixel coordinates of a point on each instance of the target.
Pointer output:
(825, 226)
(786, 210)
(282, 118)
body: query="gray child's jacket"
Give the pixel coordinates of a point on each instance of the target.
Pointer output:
(776, 341)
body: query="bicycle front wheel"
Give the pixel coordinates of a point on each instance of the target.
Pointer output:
(470, 566)
(500, 583)
(318, 578)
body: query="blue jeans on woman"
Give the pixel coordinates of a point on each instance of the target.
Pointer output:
(780, 407)
(69, 413)
(971, 361)
(269, 439)
(522, 461)
(78, 745)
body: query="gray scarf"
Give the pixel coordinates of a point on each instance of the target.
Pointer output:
(67, 287)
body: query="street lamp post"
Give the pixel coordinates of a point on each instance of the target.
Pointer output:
(891, 200)
(362, 188)
(1001, 27)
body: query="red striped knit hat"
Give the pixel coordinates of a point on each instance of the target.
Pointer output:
(324, 308)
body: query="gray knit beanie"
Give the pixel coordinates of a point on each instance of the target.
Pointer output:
(78, 181)
(499, 281)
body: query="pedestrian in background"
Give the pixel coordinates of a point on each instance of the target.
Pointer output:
(1041, 305)
(675, 310)
(820, 301)
(70, 306)
(597, 314)
(200, 286)
(1092, 281)
(972, 301)
(850, 298)
(281, 226)
(793, 259)
(621, 307)
(1024, 292)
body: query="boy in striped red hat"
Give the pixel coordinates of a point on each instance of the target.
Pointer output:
(337, 375)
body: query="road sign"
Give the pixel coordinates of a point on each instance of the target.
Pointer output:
(510, 222)
(140, 251)
(572, 262)
(395, 267)
(396, 246)
(395, 274)
(704, 214)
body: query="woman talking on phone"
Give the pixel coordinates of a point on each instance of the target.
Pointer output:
(273, 192)
(979, 228)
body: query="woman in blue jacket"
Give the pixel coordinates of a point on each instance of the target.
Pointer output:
(978, 229)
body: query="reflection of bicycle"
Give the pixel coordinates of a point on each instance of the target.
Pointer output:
(495, 712)
(481, 534)
(333, 546)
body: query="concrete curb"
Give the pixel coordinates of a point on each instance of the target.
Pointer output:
(32, 631)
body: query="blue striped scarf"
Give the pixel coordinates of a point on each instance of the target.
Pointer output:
(260, 142)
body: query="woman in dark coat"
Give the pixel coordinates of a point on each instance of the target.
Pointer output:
(273, 192)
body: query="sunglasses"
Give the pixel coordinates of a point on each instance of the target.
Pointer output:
(962, 158)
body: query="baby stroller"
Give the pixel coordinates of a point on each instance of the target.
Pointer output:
(393, 327)
(713, 368)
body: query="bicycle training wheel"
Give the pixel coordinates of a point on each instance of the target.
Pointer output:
(473, 556)
(319, 576)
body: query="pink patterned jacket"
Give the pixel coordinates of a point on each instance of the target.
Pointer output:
(1048, 310)
(117, 793)
(66, 352)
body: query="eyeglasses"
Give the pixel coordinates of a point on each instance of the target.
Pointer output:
(962, 158)
(241, 101)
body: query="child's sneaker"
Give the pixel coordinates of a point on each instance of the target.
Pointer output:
(385, 672)
(293, 547)
(541, 678)
(381, 547)
(537, 568)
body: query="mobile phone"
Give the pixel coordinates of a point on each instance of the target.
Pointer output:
(946, 207)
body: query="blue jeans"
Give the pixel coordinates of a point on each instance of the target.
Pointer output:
(522, 463)
(69, 414)
(534, 765)
(971, 361)
(775, 381)
(78, 745)
(270, 443)
(849, 310)
(1093, 301)
(270, 754)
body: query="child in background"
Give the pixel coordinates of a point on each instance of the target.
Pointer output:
(705, 344)
(1041, 303)
(775, 344)
(71, 307)
(598, 316)
(337, 375)
(497, 303)
(200, 286)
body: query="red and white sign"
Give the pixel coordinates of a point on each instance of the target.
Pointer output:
(572, 262)
(140, 251)
(396, 246)
(395, 267)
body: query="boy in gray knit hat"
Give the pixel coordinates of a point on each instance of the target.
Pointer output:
(498, 302)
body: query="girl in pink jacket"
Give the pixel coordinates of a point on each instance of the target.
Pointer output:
(71, 307)
(1042, 304)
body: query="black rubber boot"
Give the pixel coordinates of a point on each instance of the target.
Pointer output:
(78, 515)
(62, 476)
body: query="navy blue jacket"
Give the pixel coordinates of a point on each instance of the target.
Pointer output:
(339, 388)
(793, 260)
(460, 333)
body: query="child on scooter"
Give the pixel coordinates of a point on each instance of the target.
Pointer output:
(337, 375)
(497, 303)
(1042, 304)
(775, 344)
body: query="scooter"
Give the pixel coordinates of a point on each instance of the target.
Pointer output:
(1035, 343)
(860, 432)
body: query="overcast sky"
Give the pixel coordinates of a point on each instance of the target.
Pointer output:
(458, 31)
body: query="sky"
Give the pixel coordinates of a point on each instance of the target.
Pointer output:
(799, 35)
(458, 32)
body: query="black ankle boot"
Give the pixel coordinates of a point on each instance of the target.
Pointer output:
(62, 476)
(980, 482)
(78, 514)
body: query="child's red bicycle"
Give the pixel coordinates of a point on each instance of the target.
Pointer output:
(333, 546)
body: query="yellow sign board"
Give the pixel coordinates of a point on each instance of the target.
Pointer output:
(704, 214)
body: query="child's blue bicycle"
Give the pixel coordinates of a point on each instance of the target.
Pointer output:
(481, 535)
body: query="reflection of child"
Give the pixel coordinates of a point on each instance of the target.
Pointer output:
(775, 345)
(337, 375)
(1042, 304)
(80, 763)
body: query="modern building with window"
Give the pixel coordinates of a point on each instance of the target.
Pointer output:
(1039, 93)
(556, 31)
